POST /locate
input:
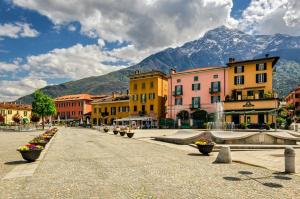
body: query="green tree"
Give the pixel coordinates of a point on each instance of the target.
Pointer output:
(183, 115)
(43, 106)
(200, 115)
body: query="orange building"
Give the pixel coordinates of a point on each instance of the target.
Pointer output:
(74, 107)
(293, 101)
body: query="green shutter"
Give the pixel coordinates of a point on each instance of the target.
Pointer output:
(219, 86)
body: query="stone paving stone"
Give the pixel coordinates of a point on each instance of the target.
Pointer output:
(83, 163)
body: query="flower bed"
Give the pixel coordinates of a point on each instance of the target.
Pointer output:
(32, 151)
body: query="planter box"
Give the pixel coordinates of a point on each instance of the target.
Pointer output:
(205, 149)
(31, 156)
(130, 135)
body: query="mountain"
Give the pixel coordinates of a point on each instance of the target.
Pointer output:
(214, 48)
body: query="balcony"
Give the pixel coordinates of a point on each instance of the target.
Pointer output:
(256, 96)
(142, 113)
(194, 106)
(177, 93)
(214, 91)
(104, 114)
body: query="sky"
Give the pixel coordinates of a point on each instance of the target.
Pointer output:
(49, 42)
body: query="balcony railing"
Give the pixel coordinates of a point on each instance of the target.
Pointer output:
(142, 113)
(254, 97)
(214, 91)
(177, 93)
(194, 106)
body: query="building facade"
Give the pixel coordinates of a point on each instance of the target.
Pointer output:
(10, 109)
(148, 97)
(293, 101)
(251, 98)
(194, 89)
(105, 111)
(74, 107)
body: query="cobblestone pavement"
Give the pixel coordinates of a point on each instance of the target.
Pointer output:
(84, 163)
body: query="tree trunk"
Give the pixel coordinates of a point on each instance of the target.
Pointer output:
(43, 122)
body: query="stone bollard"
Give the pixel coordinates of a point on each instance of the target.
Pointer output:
(289, 160)
(296, 127)
(224, 155)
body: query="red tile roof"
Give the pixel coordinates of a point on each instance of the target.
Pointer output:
(75, 97)
(15, 106)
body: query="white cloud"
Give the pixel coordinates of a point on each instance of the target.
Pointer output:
(7, 67)
(147, 24)
(17, 30)
(272, 16)
(13, 89)
(75, 62)
(71, 28)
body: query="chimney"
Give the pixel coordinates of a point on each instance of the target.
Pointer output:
(266, 55)
(172, 71)
(137, 72)
(231, 59)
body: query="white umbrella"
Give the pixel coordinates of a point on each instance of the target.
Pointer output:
(81, 122)
(58, 118)
(87, 121)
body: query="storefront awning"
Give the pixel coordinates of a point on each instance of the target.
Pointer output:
(250, 112)
(134, 119)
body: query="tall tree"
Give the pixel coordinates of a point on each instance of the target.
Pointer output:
(43, 106)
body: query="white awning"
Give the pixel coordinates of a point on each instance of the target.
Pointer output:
(125, 119)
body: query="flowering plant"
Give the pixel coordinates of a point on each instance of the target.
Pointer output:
(30, 147)
(39, 139)
(203, 142)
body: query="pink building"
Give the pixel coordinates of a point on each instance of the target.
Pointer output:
(196, 88)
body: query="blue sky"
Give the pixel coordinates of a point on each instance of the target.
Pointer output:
(50, 42)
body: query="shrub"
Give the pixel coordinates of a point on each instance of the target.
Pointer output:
(2, 119)
(16, 118)
(35, 118)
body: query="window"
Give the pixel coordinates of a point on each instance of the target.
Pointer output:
(196, 87)
(9, 112)
(135, 97)
(178, 90)
(239, 80)
(151, 107)
(25, 113)
(178, 80)
(250, 93)
(151, 96)
(261, 93)
(151, 84)
(261, 78)
(143, 98)
(95, 110)
(239, 69)
(216, 76)
(215, 87)
(135, 108)
(113, 110)
(99, 110)
(215, 99)
(178, 101)
(143, 85)
(262, 66)
(196, 78)
(195, 102)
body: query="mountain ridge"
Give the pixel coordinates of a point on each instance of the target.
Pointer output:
(213, 48)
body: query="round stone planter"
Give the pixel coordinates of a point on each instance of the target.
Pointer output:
(130, 135)
(116, 132)
(205, 149)
(31, 156)
(122, 133)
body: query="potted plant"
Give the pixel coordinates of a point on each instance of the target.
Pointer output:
(30, 152)
(116, 130)
(205, 146)
(129, 133)
(123, 131)
(39, 140)
(106, 129)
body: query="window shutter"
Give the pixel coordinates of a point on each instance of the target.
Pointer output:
(235, 77)
(219, 98)
(235, 69)
(192, 101)
(211, 99)
(257, 67)
(199, 102)
(265, 77)
(219, 86)
(193, 87)
(256, 78)
(265, 66)
(242, 69)
(242, 79)
(199, 86)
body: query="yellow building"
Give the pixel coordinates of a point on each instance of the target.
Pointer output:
(251, 98)
(148, 97)
(8, 110)
(107, 110)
